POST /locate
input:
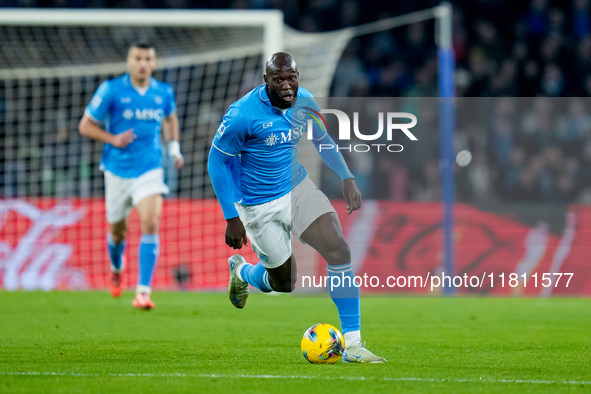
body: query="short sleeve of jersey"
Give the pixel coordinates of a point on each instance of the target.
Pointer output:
(100, 104)
(171, 102)
(232, 133)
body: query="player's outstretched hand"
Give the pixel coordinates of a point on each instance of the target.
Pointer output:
(123, 139)
(174, 149)
(235, 233)
(179, 162)
(352, 195)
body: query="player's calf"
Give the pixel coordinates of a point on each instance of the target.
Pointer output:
(283, 285)
(283, 278)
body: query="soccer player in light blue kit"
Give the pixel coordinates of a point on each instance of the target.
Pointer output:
(128, 114)
(265, 194)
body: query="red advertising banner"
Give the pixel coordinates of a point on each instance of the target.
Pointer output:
(50, 244)
(406, 241)
(61, 244)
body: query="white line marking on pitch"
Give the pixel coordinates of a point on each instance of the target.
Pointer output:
(305, 377)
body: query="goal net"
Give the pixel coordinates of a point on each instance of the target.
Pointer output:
(52, 217)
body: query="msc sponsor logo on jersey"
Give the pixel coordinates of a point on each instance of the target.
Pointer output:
(295, 133)
(144, 114)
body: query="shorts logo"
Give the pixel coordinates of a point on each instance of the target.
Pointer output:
(261, 256)
(128, 114)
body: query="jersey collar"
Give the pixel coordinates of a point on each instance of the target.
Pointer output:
(127, 82)
(264, 96)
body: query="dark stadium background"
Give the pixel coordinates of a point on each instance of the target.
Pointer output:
(502, 48)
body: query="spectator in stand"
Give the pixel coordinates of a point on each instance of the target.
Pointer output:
(581, 19)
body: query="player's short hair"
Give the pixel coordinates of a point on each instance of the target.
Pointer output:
(141, 45)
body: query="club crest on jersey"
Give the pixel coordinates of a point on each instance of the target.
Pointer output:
(158, 99)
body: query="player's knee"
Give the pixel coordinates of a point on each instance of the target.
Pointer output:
(118, 234)
(118, 238)
(150, 226)
(339, 253)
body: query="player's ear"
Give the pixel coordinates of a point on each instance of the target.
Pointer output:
(265, 78)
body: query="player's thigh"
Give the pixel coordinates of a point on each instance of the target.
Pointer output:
(149, 210)
(325, 234)
(309, 204)
(147, 191)
(148, 184)
(271, 243)
(267, 227)
(316, 223)
(118, 198)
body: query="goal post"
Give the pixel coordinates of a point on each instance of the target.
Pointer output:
(270, 20)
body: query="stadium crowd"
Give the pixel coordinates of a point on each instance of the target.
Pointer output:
(503, 48)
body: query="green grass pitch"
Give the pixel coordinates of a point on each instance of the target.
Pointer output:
(74, 342)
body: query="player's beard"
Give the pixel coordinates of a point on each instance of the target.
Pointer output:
(278, 102)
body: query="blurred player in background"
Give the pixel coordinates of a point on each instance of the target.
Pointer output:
(265, 194)
(128, 114)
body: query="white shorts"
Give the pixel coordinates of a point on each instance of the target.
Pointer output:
(122, 194)
(268, 226)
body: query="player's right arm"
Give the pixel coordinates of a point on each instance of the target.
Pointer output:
(224, 167)
(89, 128)
(95, 113)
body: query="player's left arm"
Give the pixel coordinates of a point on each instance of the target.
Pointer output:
(170, 128)
(335, 160)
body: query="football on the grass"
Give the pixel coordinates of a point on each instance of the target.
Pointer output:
(323, 344)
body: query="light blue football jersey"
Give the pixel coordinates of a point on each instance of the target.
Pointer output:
(266, 145)
(120, 107)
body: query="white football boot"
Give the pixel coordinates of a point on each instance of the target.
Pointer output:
(357, 353)
(237, 288)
